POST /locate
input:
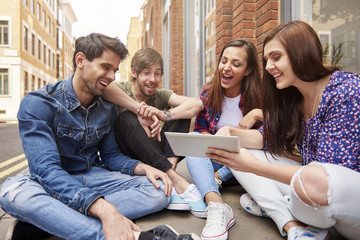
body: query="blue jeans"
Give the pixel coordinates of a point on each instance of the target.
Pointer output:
(202, 171)
(133, 196)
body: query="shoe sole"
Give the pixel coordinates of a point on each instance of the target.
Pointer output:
(178, 206)
(199, 214)
(223, 236)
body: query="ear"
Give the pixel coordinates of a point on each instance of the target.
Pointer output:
(247, 72)
(80, 59)
(133, 73)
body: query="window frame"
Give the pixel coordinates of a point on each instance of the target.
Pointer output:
(7, 74)
(25, 37)
(7, 19)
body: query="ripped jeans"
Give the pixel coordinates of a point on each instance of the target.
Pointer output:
(343, 209)
(342, 212)
(27, 201)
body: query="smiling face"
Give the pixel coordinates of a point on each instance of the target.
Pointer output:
(147, 81)
(278, 64)
(92, 77)
(232, 70)
(99, 73)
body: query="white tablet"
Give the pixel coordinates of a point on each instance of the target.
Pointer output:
(196, 145)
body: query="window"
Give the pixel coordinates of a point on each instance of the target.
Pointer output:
(39, 83)
(4, 81)
(25, 2)
(4, 32)
(26, 39)
(44, 54)
(26, 82)
(32, 6)
(49, 25)
(338, 28)
(53, 60)
(39, 49)
(49, 58)
(38, 11)
(33, 46)
(32, 82)
(44, 18)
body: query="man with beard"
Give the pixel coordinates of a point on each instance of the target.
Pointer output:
(80, 185)
(172, 109)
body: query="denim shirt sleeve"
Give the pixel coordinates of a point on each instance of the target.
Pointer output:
(36, 117)
(111, 157)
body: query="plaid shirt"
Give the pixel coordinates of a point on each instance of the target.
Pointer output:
(207, 120)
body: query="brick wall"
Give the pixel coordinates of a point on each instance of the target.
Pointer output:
(250, 19)
(153, 18)
(177, 46)
(223, 24)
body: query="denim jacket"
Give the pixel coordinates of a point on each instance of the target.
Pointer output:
(60, 137)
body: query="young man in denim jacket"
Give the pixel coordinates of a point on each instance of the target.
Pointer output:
(80, 185)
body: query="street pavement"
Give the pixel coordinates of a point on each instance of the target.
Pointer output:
(247, 227)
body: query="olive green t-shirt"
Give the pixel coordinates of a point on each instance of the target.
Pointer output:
(159, 99)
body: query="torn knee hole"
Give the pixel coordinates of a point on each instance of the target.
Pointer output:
(311, 190)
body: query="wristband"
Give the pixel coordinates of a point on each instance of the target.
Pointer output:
(168, 115)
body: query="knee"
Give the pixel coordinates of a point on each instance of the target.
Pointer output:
(312, 186)
(125, 119)
(161, 200)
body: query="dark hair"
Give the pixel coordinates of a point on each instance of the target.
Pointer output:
(144, 58)
(250, 85)
(283, 108)
(94, 45)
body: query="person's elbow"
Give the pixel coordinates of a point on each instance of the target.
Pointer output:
(198, 105)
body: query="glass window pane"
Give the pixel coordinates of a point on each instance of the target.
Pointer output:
(6, 36)
(1, 85)
(4, 82)
(338, 26)
(6, 85)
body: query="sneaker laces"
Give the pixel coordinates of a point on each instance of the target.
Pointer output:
(215, 215)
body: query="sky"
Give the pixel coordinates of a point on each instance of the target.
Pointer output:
(110, 17)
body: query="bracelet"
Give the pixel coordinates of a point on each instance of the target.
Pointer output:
(168, 115)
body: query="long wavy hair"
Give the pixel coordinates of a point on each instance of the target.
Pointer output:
(250, 84)
(283, 108)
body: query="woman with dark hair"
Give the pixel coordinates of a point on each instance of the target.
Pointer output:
(316, 108)
(233, 93)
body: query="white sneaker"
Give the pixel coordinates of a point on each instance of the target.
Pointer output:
(307, 233)
(177, 203)
(249, 205)
(220, 218)
(191, 194)
(197, 204)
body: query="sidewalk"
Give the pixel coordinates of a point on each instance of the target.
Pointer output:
(246, 227)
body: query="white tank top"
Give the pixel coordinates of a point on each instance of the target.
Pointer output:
(231, 114)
